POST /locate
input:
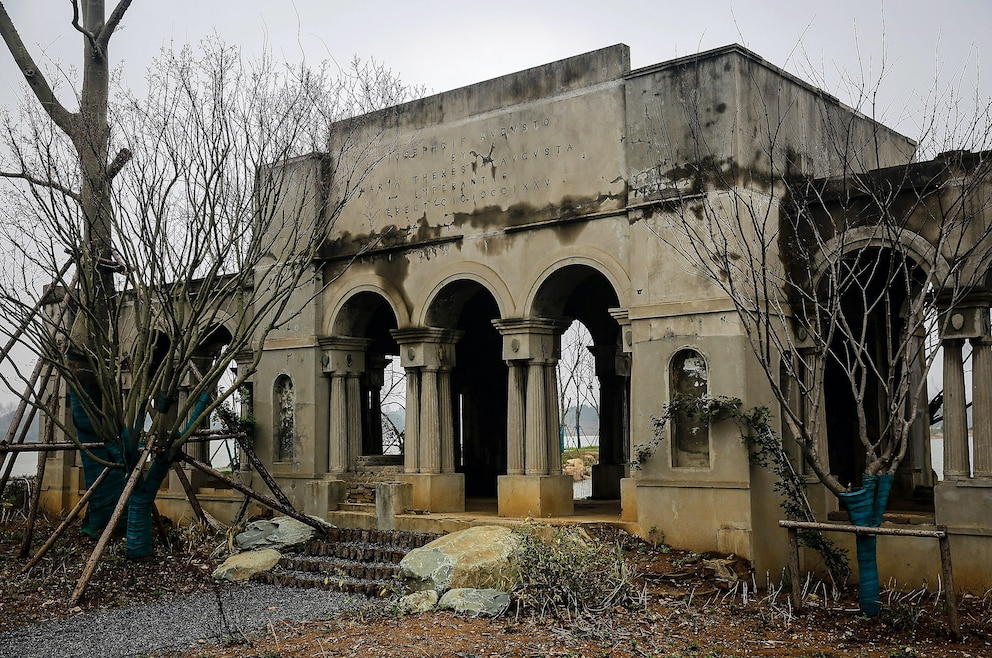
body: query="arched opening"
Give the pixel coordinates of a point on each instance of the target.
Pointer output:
(871, 370)
(478, 384)
(580, 295)
(382, 386)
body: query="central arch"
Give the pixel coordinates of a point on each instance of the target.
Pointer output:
(478, 382)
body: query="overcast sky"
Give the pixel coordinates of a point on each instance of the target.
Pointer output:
(447, 44)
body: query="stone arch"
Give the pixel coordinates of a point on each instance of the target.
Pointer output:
(912, 244)
(431, 311)
(578, 288)
(594, 259)
(335, 321)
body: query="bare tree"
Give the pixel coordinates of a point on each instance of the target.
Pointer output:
(191, 219)
(578, 387)
(841, 255)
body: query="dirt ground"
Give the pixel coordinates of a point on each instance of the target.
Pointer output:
(686, 612)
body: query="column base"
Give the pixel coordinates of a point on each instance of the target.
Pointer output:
(537, 496)
(323, 496)
(436, 492)
(606, 480)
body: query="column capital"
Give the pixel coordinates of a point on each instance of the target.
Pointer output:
(622, 316)
(531, 338)
(342, 354)
(427, 346)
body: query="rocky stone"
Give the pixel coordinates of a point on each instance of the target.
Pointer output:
(419, 601)
(245, 565)
(476, 557)
(490, 602)
(280, 532)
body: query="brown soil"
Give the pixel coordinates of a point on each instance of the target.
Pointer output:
(688, 612)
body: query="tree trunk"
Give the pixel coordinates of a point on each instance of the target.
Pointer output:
(865, 507)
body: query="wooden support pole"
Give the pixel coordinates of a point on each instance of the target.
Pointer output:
(194, 503)
(45, 447)
(950, 593)
(797, 592)
(940, 534)
(263, 472)
(67, 521)
(288, 510)
(101, 545)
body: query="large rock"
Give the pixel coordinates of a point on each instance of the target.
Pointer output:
(477, 557)
(280, 532)
(489, 602)
(245, 565)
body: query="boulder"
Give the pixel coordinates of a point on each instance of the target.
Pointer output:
(477, 557)
(245, 565)
(490, 602)
(280, 532)
(419, 601)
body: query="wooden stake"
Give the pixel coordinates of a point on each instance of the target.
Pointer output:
(194, 503)
(288, 510)
(101, 545)
(67, 521)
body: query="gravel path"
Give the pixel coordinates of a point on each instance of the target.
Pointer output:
(175, 623)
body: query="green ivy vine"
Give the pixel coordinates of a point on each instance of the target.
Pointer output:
(766, 450)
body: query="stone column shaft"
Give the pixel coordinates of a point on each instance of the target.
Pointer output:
(337, 450)
(446, 421)
(536, 431)
(354, 402)
(515, 405)
(956, 461)
(430, 436)
(411, 428)
(554, 418)
(981, 382)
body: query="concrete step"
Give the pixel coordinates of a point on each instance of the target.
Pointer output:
(357, 507)
(353, 560)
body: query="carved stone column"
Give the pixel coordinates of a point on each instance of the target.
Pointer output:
(515, 418)
(428, 355)
(337, 453)
(343, 360)
(411, 428)
(355, 407)
(956, 460)
(530, 487)
(553, 415)
(446, 421)
(430, 435)
(982, 406)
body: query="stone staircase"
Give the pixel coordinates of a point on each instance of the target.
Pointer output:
(350, 560)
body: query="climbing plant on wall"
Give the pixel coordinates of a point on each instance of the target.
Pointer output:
(767, 451)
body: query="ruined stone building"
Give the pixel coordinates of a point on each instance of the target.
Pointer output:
(504, 210)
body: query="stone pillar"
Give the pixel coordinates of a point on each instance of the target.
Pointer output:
(553, 416)
(446, 421)
(515, 418)
(536, 432)
(430, 435)
(428, 355)
(343, 360)
(981, 382)
(411, 428)
(337, 450)
(533, 485)
(956, 460)
(355, 405)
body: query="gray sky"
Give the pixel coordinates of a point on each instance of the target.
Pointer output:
(921, 45)
(446, 44)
